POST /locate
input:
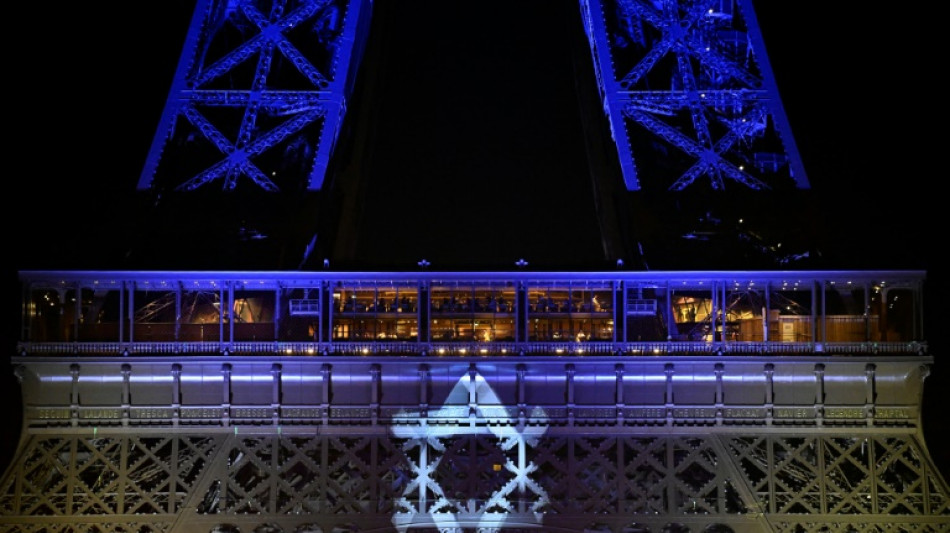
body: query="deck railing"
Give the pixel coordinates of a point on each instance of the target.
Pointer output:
(467, 349)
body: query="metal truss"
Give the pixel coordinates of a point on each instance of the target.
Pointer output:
(373, 455)
(689, 94)
(260, 93)
(459, 479)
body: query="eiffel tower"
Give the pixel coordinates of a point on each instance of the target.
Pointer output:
(258, 386)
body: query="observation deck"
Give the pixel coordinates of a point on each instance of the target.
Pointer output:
(471, 313)
(754, 401)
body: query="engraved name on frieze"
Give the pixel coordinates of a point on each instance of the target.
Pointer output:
(251, 412)
(891, 413)
(794, 412)
(50, 413)
(348, 412)
(644, 412)
(743, 412)
(101, 413)
(201, 412)
(150, 412)
(301, 412)
(844, 412)
(694, 412)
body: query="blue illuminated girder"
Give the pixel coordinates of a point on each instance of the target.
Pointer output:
(262, 91)
(689, 94)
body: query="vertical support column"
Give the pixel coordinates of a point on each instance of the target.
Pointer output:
(668, 399)
(126, 370)
(221, 311)
(823, 284)
(618, 395)
(77, 312)
(329, 312)
(769, 371)
(121, 312)
(620, 312)
(131, 310)
(226, 394)
(718, 370)
(326, 313)
(521, 370)
(276, 370)
(870, 392)
(715, 312)
(521, 313)
(669, 312)
(323, 306)
(74, 394)
(374, 373)
(423, 390)
(867, 312)
(472, 392)
(570, 371)
(230, 314)
(423, 312)
(177, 312)
(768, 310)
(278, 311)
(325, 374)
(725, 315)
(769, 391)
(176, 393)
(814, 313)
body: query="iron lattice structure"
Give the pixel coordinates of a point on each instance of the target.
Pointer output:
(454, 444)
(265, 401)
(689, 94)
(260, 94)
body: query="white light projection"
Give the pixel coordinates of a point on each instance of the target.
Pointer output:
(424, 497)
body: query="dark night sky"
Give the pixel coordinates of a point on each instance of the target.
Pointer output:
(853, 79)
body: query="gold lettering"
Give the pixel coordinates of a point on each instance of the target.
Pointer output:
(300, 412)
(151, 412)
(204, 412)
(694, 412)
(844, 412)
(743, 412)
(100, 413)
(52, 413)
(891, 412)
(794, 412)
